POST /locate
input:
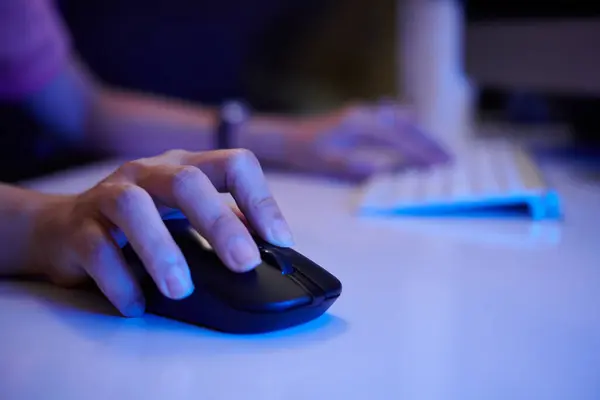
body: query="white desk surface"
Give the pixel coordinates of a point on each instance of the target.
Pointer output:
(431, 309)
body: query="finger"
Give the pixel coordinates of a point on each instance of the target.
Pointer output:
(132, 209)
(239, 172)
(400, 131)
(408, 123)
(377, 127)
(189, 189)
(238, 213)
(103, 261)
(433, 152)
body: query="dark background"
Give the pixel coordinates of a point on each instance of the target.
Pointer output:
(269, 52)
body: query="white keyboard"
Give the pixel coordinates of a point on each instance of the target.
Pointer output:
(483, 177)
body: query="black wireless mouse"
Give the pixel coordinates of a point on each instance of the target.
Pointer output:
(285, 290)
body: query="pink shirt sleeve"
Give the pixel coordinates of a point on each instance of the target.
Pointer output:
(34, 46)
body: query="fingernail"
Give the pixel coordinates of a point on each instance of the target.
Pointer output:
(280, 234)
(179, 282)
(244, 253)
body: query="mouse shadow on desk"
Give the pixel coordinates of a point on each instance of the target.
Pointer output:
(90, 315)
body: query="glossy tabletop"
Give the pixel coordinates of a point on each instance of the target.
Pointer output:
(431, 309)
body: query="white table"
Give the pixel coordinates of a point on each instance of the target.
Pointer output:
(431, 309)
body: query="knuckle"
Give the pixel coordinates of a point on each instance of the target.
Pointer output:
(241, 158)
(174, 154)
(126, 196)
(102, 190)
(237, 162)
(131, 167)
(265, 202)
(267, 205)
(94, 246)
(185, 179)
(222, 223)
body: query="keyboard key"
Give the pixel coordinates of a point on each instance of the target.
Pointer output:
(481, 175)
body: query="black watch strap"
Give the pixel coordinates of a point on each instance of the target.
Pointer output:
(231, 115)
(223, 134)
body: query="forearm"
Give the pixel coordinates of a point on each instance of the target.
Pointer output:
(131, 125)
(88, 114)
(118, 123)
(78, 109)
(19, 209)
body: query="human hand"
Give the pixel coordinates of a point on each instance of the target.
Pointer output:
(80, 236)
(353, 143)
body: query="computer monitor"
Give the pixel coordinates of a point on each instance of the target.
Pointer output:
(550, 50)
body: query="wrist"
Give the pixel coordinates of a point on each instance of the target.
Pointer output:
(20, 212)
(46, 214)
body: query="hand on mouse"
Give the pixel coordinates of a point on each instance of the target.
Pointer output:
(81, 235)
(352, 143)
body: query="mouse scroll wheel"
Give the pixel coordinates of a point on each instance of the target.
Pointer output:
(273, 257)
